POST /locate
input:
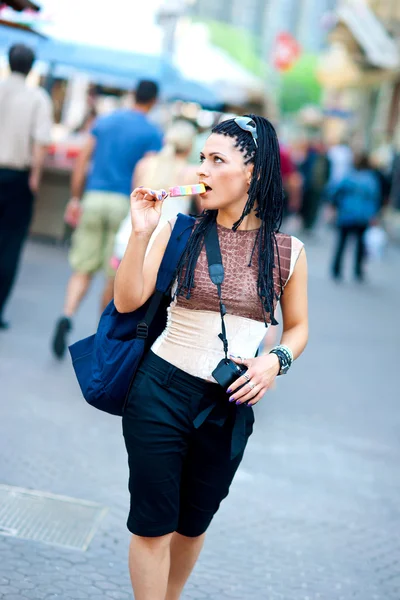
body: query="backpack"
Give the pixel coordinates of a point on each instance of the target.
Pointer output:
(358, 199)
(105, 363)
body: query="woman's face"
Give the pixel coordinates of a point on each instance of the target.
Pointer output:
(223, 172)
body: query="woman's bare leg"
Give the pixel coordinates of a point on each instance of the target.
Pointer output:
(184, 554)
(149, 562)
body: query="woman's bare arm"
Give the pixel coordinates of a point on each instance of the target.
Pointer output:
(137, 274)
(261, 371)
(294, 306)
(136, 277)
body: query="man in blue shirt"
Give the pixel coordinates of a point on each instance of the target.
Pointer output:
(116, 143)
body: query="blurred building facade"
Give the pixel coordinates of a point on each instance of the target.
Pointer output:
(248, 15)
(362, 69)
(266, 18)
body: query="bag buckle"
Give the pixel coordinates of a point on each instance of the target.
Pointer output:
(142, 331)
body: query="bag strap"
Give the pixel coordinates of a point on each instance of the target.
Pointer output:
(177, 242)
(217, 274)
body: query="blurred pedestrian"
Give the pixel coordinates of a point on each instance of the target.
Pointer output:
(25, 133)
(292, 183)
(116, 144)
(315, 169)
(163, 170)
(383, 175)
(357, 202)
(391, 213)
(189, 412)
(395, 183)
(198, 143)
(341, 159)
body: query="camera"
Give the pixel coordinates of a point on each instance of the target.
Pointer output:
(227, 372)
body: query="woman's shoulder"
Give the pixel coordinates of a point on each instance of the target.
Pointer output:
(290, 248)
(286, 240)
(143, 169)
(172, 222)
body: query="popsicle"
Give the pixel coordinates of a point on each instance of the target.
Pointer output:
(187, 190)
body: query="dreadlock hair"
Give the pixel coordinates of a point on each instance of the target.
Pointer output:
(266, 190)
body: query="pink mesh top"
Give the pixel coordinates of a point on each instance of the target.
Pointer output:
(239, 290)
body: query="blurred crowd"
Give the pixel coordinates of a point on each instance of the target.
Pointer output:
(124, 149)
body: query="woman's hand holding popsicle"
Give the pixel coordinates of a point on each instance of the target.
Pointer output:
(146, 209)
(146, 205)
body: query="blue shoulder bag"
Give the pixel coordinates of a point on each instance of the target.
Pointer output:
(105, 363)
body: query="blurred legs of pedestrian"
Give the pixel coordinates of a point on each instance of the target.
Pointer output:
(16, 207)
(91, 250)
(344, 232)
(309, 211)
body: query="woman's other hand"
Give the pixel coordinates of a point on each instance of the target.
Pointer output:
(146, 209)
(259, 377)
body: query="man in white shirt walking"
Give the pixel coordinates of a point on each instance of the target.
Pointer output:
(25, 130)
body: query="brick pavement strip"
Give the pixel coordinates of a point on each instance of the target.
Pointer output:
(314, 511)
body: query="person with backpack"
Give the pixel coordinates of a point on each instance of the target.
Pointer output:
(189, 411)
(356, 199)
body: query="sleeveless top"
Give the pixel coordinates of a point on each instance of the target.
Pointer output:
(190, 340)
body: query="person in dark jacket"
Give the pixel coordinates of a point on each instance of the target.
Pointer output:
(315, 170)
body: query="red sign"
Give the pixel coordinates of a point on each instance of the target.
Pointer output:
(286, 51)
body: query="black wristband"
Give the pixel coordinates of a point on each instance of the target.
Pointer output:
(284, 358)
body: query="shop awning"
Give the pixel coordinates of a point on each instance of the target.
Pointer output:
(91, 58)
(111, 67)
(21, 5)
(379, 47)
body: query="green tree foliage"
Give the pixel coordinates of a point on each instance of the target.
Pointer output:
(240, 44)
(299, 86)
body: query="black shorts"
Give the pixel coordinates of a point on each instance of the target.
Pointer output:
(185, 442)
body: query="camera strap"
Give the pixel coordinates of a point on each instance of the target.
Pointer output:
(216, 272)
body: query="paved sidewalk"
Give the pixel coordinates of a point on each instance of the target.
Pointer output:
(314, 512)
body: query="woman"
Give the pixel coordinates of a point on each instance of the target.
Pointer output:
(186, 435)
(356, 199)
(163, 170)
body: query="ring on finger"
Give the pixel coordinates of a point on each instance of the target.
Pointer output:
(252, 385)
(247, 378)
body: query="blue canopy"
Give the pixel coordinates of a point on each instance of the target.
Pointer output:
(112, 67)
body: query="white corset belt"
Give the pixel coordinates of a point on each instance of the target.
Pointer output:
(190, 340)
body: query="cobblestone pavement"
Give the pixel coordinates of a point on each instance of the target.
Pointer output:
(314, 512)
